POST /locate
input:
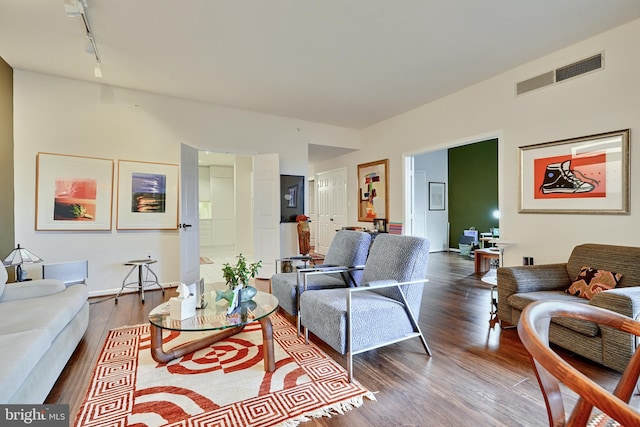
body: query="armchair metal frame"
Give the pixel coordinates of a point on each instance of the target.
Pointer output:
(304, 258)
(350, 291)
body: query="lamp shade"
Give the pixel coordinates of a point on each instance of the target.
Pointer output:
(19, 256)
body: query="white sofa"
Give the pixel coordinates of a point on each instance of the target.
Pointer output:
(41, 324)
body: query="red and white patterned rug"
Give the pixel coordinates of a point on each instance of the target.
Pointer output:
(221, 385)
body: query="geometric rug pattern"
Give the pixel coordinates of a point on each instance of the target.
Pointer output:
(222, 385)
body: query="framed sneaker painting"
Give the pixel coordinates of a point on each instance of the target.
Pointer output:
(586, 175)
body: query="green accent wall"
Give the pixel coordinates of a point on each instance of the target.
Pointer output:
(7, 235)
(473, 188)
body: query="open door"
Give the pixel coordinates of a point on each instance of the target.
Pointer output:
(266, 211)
(189, 222)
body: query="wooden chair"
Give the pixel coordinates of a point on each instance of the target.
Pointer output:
(551, 369)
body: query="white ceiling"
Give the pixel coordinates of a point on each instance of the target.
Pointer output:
(350, 63)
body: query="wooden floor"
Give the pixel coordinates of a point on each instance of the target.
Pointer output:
(477, 375)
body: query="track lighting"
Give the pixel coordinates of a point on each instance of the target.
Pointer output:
(76, 8)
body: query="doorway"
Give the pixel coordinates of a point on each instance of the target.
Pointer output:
(331, 196)
(468, 172)
(225, 212)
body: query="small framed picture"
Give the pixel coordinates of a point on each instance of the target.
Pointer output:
(436, 196)
(380, 225)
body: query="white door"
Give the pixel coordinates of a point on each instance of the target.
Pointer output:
(266, 210)
(189, 223)
(332, 206)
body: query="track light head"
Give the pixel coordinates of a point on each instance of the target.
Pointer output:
(74, 8)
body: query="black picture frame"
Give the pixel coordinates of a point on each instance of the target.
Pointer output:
(291, 197)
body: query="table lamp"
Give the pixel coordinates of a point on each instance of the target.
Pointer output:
(17, 257)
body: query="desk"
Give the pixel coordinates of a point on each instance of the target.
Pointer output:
(482, 257)
(485, 240)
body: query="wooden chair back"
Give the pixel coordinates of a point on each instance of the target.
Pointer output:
(551, 369)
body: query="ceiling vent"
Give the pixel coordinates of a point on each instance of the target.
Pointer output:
(576, 69)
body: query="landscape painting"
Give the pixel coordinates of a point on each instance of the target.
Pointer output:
(73, 192)
(75, 199)
(148, 192)
(147, 196)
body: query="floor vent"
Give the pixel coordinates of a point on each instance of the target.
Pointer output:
(578, 68)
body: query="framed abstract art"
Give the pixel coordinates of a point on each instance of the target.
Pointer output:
(373, 190)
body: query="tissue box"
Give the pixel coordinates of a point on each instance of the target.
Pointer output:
(181, 309)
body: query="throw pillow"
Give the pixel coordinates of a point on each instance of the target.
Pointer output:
(591, 281)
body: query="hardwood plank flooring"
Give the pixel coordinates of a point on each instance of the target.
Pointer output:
(477, 375)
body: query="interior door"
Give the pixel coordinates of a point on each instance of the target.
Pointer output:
(266, 209)
(189, 222)
(332, 206)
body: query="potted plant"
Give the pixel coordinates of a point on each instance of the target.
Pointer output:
(238, 275)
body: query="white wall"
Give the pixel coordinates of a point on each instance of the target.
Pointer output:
(602, 101)
(73, 117)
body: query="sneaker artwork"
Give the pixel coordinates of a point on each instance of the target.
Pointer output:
(560, 178)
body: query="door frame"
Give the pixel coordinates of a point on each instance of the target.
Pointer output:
(408, 168)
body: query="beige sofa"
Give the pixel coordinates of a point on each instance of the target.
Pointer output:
(519, 286)
(41, 324)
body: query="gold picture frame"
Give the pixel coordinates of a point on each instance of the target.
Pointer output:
(373, 190)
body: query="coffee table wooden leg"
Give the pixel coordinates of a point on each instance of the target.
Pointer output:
(267, 344)
(162, 356)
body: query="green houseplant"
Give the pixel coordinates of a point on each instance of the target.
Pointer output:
(239, 275)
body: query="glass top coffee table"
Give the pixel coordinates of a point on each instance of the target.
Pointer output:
(214, 318)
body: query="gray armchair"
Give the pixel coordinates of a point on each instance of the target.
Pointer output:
(382, 311)
(348, 249)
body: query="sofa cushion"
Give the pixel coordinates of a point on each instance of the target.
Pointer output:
(27, 348)
(621, 259)
(590, 281)
(519, 301)
(284, 286)
(52, 312)
(326, 310)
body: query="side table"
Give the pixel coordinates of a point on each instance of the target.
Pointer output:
(143, 279)
(481, 259)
